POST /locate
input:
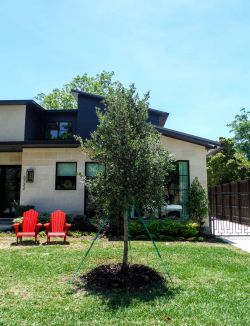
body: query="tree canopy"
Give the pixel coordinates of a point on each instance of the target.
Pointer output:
(241, 128)
(129, 148)
(63, 99)
(227, 165)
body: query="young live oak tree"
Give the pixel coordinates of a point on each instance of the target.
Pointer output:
(129, 148)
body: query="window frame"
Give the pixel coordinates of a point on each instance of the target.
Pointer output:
(57, 163)
(85, 190)
(58, 129)
(184, 214)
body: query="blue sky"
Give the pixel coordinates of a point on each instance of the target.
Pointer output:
(194, 56)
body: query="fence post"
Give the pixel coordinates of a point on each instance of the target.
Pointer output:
(230, 202)
(248, 200)
(239, 201)
(210, 211)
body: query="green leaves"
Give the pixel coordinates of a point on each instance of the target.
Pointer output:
(198, 202)
(100, 84)
(241, 128)
(227, 165)
(136, 163)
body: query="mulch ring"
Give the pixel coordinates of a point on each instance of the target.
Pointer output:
(116, 277)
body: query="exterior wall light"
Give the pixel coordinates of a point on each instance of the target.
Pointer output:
(30, 175)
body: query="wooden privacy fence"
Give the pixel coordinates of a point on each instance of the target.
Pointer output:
(231, 202)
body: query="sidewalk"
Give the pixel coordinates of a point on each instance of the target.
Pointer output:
(242, 243)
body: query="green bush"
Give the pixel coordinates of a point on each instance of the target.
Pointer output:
(135, 229)
(75, 234)
(18, 219)
(82, 223)
(20, 209)
(44, 217)
(198, 202)
(164, 229)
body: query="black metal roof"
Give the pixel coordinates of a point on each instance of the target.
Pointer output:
(17, 146)
(22, 102)
(163, 117)
(90, 95)
(208, 143)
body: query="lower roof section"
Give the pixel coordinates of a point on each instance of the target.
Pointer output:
(17, 146)
(209, 144)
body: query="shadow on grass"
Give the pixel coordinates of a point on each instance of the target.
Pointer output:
(116, 299)
(26, 243)
(119, 287)
(53, 243)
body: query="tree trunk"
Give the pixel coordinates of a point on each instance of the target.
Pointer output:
(125, 238)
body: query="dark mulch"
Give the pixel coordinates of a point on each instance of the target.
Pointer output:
(116, 277)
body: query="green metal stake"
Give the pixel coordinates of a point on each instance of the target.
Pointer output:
(154, 244)
(101, 227)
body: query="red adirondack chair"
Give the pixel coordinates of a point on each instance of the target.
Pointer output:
(57, 227)
(28, 227)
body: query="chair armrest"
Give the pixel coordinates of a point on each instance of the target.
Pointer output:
(16, 227)
(38, 225)
(47, 227)
(67, 227)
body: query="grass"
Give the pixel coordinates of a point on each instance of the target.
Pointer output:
(211, 285)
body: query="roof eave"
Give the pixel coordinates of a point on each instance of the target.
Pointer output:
(77, 92)
(207, 143)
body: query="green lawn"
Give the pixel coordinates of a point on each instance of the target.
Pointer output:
(211, 286)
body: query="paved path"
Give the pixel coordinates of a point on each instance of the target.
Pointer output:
(239, 242)
(236, 234)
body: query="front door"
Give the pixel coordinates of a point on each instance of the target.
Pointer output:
(10, 181)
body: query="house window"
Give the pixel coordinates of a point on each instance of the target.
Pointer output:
(177, 186)
(66, 176)
(91, 170)
(59, 130)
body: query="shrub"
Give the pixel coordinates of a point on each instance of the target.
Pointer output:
(20, 209)
(136, 228)
(198, 202)
(141, 237)
(82, 223)
(164, 229)
(44, 217)
(18, 219)
(75, 234)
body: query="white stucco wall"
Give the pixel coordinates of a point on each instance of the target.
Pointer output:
(41, 193)
(12, 122)
(195, 154)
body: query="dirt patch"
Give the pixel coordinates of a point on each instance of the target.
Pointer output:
(117, 277)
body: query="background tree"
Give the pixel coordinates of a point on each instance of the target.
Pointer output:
(63, 99)
(227, 165)
(241, 128)
(136, 163)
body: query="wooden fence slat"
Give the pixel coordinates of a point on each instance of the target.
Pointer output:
(231, 202)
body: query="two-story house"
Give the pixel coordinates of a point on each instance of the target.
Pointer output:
(40, 160)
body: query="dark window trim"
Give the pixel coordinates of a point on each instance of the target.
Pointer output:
(85, 190)
(56, 121)
(188, 186)
(5, 166)
(75, 176)
(188, 170)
